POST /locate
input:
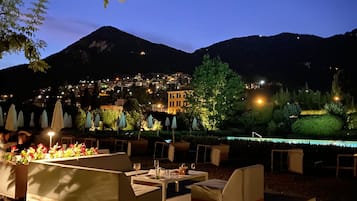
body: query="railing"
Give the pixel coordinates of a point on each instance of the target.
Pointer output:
(255, 134)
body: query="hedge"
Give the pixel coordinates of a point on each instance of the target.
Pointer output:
(317, 125)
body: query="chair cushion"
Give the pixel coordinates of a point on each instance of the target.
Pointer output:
(204, 193)
(140, 190)
(213, 183)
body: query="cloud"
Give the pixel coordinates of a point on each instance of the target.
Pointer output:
(66, 27)
(59, 33)
(165, 40)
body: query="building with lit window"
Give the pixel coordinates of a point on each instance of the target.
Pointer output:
(176, 101)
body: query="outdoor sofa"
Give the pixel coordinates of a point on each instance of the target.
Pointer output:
(13, 178)
(99, 177)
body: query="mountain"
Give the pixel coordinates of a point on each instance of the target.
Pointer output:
(292, 59)
(106, 52)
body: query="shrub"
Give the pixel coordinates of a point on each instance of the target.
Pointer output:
(271, 129)
(352, 121)
(80, 119)
(336, 108)
(317, 125)
(110, 118)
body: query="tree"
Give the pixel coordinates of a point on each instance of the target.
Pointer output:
(110, 118)
(134, 111)
(80, 119)
(18, 25)
(106, 2)
(336, 90)
(337, 109)
(18, 28)
(281, 97)
(311, 100)
(217, 92)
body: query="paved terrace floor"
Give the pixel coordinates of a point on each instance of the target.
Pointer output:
(319, 184)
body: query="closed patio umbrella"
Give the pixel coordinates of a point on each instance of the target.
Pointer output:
(32, 120)
(122, 121)
(20, 120)
(194, 124)
(44, 119)
(65, 120)
(167, 123)
(150, 121)
(96, 120)
(70, 121)
(88, 122)
(173, 127)
(1, 117)
(11, 119)
(57, 122)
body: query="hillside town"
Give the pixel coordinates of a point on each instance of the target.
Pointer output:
(157, 88)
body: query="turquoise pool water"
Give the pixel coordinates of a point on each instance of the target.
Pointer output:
(339, 143)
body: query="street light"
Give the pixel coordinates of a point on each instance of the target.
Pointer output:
(336, 98)
(260, 101)
(160, 107)
(51, 134)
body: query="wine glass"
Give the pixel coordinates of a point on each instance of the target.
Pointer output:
(156, 164)
(193, 166)
(137, 166)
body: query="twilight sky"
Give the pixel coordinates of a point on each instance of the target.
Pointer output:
(190, 24)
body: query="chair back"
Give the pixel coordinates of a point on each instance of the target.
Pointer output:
(245, 184)
(295, 160)
(171, 153)
(219, 153)
(253, 180)
(233, 190)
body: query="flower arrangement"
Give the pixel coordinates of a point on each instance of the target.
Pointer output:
(41, 152)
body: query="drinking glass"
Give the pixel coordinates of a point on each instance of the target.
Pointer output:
(137, 166)
(156, 164)
(193, 166)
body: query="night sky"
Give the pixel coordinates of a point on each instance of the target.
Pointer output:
(191, 24)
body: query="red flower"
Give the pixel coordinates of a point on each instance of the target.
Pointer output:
(13, 148)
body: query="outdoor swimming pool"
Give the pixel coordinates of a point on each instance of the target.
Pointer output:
(339, 143)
